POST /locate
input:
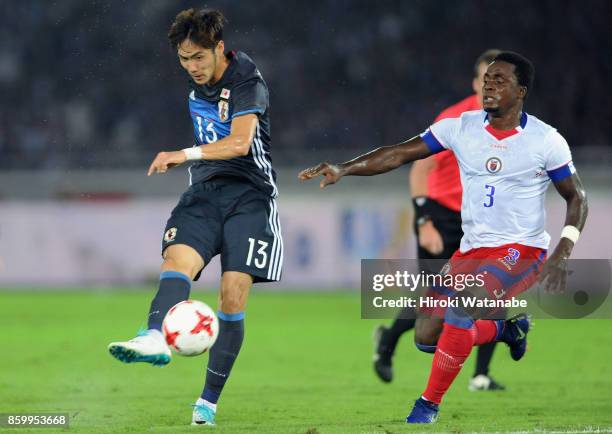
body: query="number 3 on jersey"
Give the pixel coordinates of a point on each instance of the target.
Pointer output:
(262, 259)
(489, 195)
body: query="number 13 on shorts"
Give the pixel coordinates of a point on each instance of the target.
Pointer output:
(258, 257)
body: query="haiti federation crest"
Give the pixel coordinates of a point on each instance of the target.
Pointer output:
(493, 165)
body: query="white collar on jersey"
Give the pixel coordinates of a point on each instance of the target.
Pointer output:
(521, 126)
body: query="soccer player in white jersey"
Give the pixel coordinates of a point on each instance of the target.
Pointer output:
(507, 159)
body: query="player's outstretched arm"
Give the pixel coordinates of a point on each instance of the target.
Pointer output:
(554, 272)
(237, 144)
(379, 160)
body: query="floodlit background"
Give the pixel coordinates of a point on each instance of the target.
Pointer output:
(91, 91)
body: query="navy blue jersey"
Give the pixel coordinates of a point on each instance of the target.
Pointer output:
(241, 90)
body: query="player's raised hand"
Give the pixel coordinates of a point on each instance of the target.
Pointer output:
(166, 160)
(331, 174)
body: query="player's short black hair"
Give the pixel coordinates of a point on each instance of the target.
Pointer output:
(485, 57)
(204, 27)
(523, 68)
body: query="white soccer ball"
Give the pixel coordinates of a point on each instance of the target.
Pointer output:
(190, 328)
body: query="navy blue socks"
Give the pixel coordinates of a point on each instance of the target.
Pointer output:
(223, 354)
(174, 287)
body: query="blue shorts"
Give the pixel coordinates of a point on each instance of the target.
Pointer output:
(230, 217)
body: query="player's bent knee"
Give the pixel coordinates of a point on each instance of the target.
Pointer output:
(427, 333)
(233, 300)
(183, 259)
(426, 348)
(232, 304)
(424, 340)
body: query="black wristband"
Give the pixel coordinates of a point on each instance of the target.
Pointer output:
(423, 209)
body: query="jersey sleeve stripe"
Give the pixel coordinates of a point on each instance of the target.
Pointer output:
(246, 112)
(559, 166)
(262, 162)
(432, 142)
(560, 173)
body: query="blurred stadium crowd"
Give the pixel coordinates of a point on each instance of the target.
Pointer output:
(94, 84)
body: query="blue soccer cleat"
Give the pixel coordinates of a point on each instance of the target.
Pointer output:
(149, 346)
(514, 333)
(203, 415)
(423, 412)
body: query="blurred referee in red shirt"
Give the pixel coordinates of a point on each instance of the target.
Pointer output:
(436, 196)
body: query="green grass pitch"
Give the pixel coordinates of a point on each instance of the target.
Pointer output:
(305, 368)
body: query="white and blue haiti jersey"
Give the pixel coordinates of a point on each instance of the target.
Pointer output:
(504, 176)
(240, 91)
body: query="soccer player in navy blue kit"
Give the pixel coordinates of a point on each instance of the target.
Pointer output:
(230, 207)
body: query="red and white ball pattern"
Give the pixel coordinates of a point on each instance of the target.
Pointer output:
(190, 328)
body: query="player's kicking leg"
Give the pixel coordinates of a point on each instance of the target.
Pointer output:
(235, 288)
(181, 264)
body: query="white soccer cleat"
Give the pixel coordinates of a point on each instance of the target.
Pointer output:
(149, 346)
(203, 415)
(484, 382)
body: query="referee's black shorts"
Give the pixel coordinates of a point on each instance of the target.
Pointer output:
(448, 223)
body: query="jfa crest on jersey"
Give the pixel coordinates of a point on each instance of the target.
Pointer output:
(503, 176)
(224, 105)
